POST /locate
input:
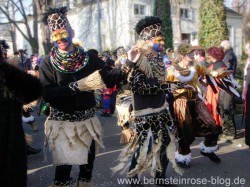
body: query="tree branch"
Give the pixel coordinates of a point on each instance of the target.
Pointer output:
(7, 23)
(14, 22)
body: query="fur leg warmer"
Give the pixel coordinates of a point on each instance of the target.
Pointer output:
(182, 158)
(206, 149)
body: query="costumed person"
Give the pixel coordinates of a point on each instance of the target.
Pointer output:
(150, 115)
(124, 106)
(70, 75)
(219, 93)
(16, 88)
(246, 95)
(106, 94)
(191, 114)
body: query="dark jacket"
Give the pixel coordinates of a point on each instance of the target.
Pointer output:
(16, 88)
(231, 60)
(24, 63)
(58, 93)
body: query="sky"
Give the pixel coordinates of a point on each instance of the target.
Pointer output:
(228, 3)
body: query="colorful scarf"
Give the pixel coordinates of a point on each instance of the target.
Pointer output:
(69, 62)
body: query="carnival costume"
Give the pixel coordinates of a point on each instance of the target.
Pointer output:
(216, 91)
(124, 106)
(150, 146)
(72, 129)
(16, 88)
(193, 119)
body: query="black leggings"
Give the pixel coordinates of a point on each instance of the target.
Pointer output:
(62, 173)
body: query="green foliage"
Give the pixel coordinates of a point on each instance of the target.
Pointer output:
(213, 25)
(162, 9)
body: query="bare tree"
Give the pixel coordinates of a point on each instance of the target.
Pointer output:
(8, 28)
(41, 6)
(19, 8)
(176, 5)
(242, 7)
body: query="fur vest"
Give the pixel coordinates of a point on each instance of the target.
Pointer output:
(16, 88)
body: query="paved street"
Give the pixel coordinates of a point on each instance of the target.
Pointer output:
(234, 168)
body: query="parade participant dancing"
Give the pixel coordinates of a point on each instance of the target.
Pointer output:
(219, 94)
(16, 88)
(151, 117)
(192, 116)
(69, 74)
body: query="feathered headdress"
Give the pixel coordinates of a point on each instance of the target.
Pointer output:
(149, 27)
(56, 18)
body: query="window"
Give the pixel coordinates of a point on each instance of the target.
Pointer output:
(139, 9)
(185, 37)
(185, 13)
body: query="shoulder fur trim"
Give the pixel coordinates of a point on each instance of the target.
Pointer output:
(186, 78)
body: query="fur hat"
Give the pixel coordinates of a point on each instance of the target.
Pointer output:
(149, 27)
(56, 18)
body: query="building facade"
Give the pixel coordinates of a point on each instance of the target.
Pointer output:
(118, 19)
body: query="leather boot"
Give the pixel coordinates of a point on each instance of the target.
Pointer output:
(84, 184)
(212, 156)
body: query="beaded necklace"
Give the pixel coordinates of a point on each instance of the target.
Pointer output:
(157, 65)
(69, 62)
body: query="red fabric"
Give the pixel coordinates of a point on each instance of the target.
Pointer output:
(107, 93)
(212, 101)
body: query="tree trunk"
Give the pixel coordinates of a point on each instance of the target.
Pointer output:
(13, 38)
(45, 36)
(35, 28)
(178, 22)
